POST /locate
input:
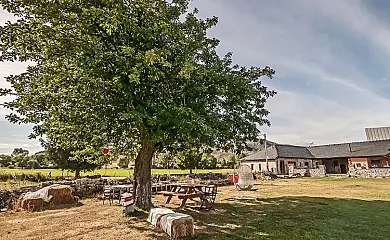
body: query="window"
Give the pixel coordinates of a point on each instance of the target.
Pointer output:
(375, 163)
(252, 166)
(306, 164)
(259, 167)
(317, 164)
(300, 164)
(358, 165)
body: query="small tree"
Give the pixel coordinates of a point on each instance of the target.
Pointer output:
(189, 159)
(33, 164)
(123, 162)
(19, 151)
(20, 160)
(41, 159)
(166, 160)
(208, 161)
(67, 158)
(5, 160)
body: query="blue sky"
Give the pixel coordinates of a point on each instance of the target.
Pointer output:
(331, 60)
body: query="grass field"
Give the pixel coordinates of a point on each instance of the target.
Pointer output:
(296, 209)
(111, 172)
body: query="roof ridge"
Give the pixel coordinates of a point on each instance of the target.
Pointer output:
(334, 144)
(290, 145)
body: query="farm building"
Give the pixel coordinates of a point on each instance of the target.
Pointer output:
(379, 133)
(337, 158)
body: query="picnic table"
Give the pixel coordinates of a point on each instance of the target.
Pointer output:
(184, 191)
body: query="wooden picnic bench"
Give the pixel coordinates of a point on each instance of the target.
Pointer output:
(188, 191)
(182, 196)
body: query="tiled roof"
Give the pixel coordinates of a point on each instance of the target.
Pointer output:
(261, 155)
(290, 151)
(342, 150)
(358, 149)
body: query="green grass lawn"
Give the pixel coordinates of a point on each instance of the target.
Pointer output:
(303, 209)
(110, 172)
(293, 209)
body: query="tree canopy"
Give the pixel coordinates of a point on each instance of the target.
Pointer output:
(130, 74)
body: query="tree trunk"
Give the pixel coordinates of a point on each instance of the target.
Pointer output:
(77, 173)
(143, 176)
(190, 170)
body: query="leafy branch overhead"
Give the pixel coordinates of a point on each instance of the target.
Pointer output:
(134, 69)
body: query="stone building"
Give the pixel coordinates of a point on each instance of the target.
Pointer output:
(337, 158)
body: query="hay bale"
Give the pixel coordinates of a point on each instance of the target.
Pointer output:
(177, 225)
(60, 195)
(155, 215)
(32, 204)
(18, 203)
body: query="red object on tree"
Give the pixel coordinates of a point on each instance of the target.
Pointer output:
(105, 150)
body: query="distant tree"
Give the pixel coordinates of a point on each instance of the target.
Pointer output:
(19, 151)
(208, 161)
(123, 72)
(5, 160)
(189, 159)
(33, 164)
(67, 159)
(166, 160)
(41, 159)
(123, 162)
(20, 160)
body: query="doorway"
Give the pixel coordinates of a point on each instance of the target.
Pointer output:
(282, 168)
(343, 168)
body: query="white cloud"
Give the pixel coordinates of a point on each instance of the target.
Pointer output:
(295, 38)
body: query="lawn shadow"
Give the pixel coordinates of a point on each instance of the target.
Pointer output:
(295, 218)
(134, 219)
(62, 206)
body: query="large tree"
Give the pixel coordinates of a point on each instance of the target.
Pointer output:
(139, 74)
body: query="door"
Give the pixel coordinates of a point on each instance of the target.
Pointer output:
(343, 168)
(282, 168)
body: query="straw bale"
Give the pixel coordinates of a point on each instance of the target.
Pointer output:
(177, 225)
(182, 227)
(61, 195)
(18, 203)
(32, 204)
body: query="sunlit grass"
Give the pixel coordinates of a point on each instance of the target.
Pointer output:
(109, 172)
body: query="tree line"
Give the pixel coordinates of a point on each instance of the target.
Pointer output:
(20, 158)
(53, 158)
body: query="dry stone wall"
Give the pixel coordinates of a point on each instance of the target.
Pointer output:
(307, 172)
(89, 187)
(370, 173)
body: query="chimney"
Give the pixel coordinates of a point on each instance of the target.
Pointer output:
(349, 147)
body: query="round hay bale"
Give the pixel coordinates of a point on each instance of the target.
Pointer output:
(32, 204)
(60, 195)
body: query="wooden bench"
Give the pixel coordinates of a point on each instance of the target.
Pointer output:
(183, 196)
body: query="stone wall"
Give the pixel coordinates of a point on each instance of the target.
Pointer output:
(89, 187)
(370, 173)
(307, 172)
